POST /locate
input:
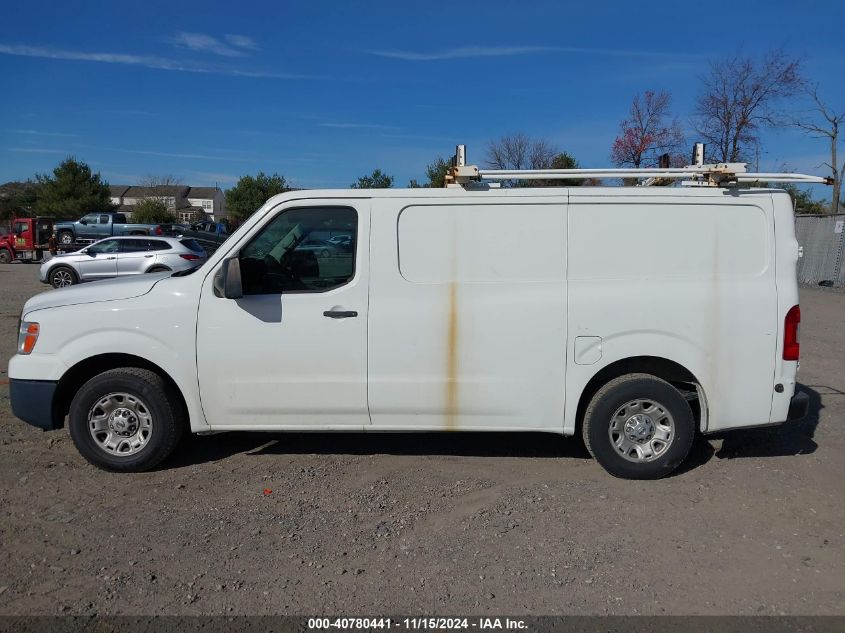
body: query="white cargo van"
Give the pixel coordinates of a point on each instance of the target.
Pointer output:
(634, 316)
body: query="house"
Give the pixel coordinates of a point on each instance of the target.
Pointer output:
(190, 204)
(210, 200)
(116, 192)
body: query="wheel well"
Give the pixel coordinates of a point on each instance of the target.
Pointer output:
(157, 268)
(63, 267)
(676, 375)
(83, 371)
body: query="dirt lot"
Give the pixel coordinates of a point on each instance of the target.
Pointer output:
(439, 524)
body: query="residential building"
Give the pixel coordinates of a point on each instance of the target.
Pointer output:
(190, 204)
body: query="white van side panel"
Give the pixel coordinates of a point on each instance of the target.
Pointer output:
(467, 327)
(787, 283)
(689, 279)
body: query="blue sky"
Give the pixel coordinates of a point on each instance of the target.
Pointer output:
(323, 92)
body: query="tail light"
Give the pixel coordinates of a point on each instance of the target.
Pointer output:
(791, 347)
(159, 231)
(190, 258)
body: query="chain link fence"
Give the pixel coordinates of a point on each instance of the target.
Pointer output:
(823, 240)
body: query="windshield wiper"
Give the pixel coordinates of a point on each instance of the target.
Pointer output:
(185, 273)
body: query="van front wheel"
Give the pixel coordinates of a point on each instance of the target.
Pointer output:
(126, 420)
(638, 426)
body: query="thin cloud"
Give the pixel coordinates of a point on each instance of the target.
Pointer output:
(506, 51)
(146, 61)
(359, 126)
(40, 133)
(205, 44)
(143, 152)
(40, 150)
(241, 41)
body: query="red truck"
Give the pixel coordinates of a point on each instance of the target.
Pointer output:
(27, 239)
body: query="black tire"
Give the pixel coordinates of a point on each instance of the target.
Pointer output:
(65, 237)
(5, 256)
(162, 404)
(60, 274)
(158, 269)
(607, 406)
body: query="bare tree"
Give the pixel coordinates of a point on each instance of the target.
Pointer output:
(162, 190)
(160, 186)
(825, 123)
(737, 99)
(519, 151)
(647, 132)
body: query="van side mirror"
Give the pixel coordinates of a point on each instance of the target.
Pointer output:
(227, 280)
(83, 221)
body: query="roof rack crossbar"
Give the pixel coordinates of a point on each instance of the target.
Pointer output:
(715, 174)
(711, 172)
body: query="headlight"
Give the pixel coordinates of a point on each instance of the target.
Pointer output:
(27, 335)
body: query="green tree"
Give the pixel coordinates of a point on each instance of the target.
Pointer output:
(246, 197)
(376, 180)
(17, 199)
(802, 200)
(72, 191)
(436, 173)
(152, 211)
(565, 160)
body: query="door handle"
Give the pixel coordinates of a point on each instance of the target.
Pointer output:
(149, 255)
(111, 257)
(340, 314)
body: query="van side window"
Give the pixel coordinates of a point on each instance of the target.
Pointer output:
(293, 253)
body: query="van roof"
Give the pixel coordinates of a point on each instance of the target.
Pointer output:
(481, 192)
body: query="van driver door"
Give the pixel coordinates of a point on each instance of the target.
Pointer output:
(292, 352)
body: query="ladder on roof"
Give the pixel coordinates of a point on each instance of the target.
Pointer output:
(699, 174)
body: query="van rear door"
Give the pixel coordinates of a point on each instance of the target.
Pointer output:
(467, 325)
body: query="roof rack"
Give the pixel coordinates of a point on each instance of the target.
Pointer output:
(699, 174)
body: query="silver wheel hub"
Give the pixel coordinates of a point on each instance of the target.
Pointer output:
(642, 430)
(639, 428)
(120, 423)
(63, 278)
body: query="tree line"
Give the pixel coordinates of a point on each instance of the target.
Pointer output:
(740, 96)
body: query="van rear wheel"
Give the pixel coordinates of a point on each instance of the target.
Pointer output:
(126, 420)
(638, 426)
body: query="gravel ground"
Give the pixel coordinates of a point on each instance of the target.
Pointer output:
(434, 524)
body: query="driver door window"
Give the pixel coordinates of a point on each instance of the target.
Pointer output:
(293, 254)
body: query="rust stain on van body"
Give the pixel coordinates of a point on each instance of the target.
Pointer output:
(452, 359)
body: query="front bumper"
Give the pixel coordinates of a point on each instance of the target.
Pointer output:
(32, 402)
(799, 405)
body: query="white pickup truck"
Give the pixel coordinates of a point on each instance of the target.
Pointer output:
(636, 317)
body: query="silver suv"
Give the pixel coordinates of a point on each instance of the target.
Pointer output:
(122, 256)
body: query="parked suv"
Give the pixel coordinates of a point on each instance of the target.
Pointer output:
(122, 256)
